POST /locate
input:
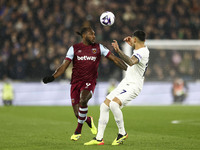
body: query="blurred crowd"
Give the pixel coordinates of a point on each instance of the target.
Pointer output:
(36, 34)
(166, 65)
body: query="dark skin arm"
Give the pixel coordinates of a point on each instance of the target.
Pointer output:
(117, 61)
(60, 70)
(129, 60)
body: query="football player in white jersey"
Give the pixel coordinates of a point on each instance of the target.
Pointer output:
(127, 90)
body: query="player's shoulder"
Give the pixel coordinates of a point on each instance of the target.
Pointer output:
(103, 47)
(147, 50)
(82, 45)
(77, 45)
(96, 45)
(144, 50)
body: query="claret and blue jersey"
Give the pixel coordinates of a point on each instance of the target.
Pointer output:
(85, 60)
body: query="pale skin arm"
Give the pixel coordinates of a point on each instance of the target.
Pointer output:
(130, 61)
(128, 40)
(60, 70)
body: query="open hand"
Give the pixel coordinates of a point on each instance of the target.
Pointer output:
(115, 45)
(128, 40)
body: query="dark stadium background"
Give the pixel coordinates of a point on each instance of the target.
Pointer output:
(35, 35)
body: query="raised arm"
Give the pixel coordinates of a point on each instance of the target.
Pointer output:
(117, 61)
(130, 61)
(59, 71)
(128, 40)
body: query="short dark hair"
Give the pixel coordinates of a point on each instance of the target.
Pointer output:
(140, 35)
(84, 30)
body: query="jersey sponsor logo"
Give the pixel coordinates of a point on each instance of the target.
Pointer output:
(86, 58)
(94, 50)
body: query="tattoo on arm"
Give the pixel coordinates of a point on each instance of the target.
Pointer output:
(125, 58)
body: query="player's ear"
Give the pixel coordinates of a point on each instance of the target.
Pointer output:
(134, 39)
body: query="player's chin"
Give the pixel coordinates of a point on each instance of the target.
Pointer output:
(92, 42)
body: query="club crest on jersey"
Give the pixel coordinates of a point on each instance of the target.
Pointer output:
(94, 50)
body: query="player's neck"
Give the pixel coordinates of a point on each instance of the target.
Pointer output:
(139, 45)
(85, 42)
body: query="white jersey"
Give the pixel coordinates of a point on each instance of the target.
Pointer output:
(135, 73)
(129, 88)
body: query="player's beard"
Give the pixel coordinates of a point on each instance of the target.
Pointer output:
(90, 42)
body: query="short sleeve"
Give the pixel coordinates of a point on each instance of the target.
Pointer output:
(104, 51)
(138, 55)
(70, 53)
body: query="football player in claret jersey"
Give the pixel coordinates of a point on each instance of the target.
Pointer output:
(127, 90)
(85, 57)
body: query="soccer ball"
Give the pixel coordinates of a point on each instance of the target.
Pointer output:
(107, 18)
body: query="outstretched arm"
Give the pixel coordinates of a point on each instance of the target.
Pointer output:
(130, 61)
(117, 61)
(59, 71)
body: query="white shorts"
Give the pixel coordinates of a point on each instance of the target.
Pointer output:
(125, 92)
